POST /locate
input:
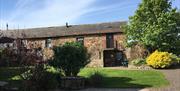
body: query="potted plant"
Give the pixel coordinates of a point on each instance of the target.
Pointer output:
(70, 58)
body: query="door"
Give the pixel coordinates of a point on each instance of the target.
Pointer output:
(113, 58)
(109, 58)
(109, 41)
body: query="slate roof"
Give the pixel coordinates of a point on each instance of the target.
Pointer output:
(73, 30)
(6, 40)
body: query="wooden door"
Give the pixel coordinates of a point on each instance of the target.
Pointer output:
(109, 58)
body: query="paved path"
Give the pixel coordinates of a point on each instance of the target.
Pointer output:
(173, 76)
(3, 83)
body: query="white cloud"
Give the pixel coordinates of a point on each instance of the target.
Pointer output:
(29, 13)
(50, 13)
(119, 7)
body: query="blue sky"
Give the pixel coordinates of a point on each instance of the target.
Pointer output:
(46, 13)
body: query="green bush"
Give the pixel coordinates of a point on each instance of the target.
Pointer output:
(175, 59)
(10, 57)
(161, 59)
(178, 60)
(138, 62)
(40, 79)
(70, 57)
(5, 57)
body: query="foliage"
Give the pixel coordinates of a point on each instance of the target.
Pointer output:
(41, 78)
(155, 26)
(96, 79)
(175, 59)
(5, 57)
(19, 57)
(178, 17)
(70, 57)
(138, 62)
(160, 59)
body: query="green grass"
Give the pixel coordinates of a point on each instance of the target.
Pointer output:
(114, 78)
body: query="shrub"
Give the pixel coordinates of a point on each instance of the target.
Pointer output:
(40, 79)
(176, 59)
(96, 79)
(19, 57)
(160, 59)
(70, 57)
(138, 62)
(6, 55)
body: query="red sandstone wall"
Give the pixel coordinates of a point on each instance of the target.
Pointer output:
(94, 43)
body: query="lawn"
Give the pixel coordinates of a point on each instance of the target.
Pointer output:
(113, 78)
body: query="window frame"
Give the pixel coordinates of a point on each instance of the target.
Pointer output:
(48, 43)
(110, 41)
(80, 39)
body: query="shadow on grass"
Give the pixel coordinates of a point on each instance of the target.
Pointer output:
(120, 82)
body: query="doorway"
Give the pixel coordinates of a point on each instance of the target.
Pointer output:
(113, 57)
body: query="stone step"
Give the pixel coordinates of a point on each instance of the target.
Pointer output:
(3, 83)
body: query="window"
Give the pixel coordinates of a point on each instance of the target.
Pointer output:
(109, 41)
(48, 43)
(24, 43)
(80, 40)
(119, 56)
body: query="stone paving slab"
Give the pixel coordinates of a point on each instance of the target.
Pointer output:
(2, 83)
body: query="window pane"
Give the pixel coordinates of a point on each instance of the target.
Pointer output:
(48, 43)
(109, 41)
(80, 40)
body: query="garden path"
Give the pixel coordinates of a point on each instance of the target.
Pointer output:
(173, 76)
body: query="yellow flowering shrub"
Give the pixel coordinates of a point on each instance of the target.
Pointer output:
(159, 59)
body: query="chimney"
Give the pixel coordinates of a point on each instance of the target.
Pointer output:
(67, 24)
(7, 26)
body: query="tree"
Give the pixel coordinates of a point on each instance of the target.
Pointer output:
(154, 25)
(178, 17)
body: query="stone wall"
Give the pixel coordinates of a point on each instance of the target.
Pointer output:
(137, 51)
(62, 40)
(94, 43)
(119, 40)
(35, 43)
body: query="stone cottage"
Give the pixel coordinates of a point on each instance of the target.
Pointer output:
(104, 40)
